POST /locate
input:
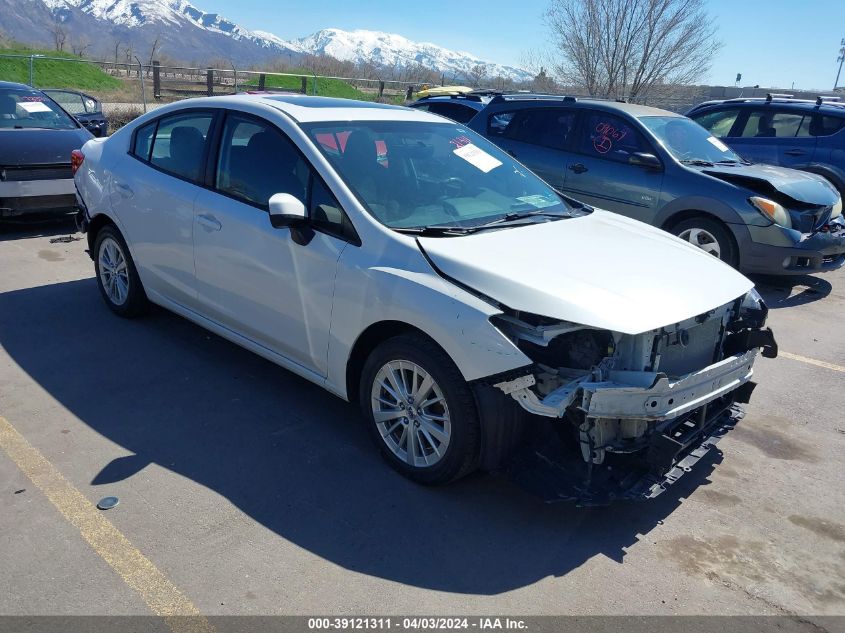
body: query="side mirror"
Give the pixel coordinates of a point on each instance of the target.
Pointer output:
(286, 210)
(641, 159)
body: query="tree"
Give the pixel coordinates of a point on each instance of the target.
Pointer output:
(476, 75)
(624, 48)
(59, 35)
(80, 46)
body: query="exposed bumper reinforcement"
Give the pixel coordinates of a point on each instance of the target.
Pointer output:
(637, 395)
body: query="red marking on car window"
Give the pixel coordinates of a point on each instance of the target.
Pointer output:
(605, 135)
(460, 141)
(33, 98)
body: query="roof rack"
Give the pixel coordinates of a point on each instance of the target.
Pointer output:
(778, 95)
(822, 100)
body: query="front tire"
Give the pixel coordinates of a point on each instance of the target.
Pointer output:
(420, 410)
(709, 235)
(117, 277)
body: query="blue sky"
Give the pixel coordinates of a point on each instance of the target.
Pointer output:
(772, 43)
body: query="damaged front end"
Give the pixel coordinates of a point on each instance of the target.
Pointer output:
(632, 412)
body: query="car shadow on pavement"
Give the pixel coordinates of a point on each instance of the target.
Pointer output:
(58, 227)
(788, 291)
(295, 458)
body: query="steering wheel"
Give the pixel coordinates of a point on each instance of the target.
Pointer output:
(453, 187)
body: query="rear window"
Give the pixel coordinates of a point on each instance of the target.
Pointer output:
(548, 127)
(827, 125)
(455, 111)
(31, 109)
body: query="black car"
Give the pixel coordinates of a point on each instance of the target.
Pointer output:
(458, 107)
(780, 130)
(86, 109)
(37, 138)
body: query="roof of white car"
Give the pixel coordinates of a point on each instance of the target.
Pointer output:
(308, 109)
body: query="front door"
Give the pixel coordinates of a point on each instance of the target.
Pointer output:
(775, 137)
(255, 279)
(600, 173)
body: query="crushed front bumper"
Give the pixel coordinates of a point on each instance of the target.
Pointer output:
(637, 395)
(819, 252)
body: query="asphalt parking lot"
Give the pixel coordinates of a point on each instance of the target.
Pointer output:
(251, 491)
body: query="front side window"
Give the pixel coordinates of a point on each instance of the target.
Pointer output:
(547, 127)
(180, 143)
(610, 137)
(718, 123)
(771, 124)
(31, 109)
(414, 174)
(688, 142)
(257, 161)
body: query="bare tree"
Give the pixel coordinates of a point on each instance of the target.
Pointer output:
(117, 44)
(80, 46)
(624, 48)
(59, 35)
(476, 75)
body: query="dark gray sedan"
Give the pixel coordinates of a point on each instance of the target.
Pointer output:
(666, 170)
(37, 138)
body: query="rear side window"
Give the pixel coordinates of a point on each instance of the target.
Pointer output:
(610, 137)
(257, 161)
(144, 141)
(549, 127)
(180, 143)
(773, 124)
(718, 123)
(827, 125)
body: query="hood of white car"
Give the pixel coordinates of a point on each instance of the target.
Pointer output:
(601, 270)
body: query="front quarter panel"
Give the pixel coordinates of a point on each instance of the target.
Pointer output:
(406, 289)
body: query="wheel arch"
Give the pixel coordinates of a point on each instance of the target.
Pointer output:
(686, 214)
(373, 336)
(97, 223)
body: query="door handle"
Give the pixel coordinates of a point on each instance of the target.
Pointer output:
(209, 222)
(794, 152)
(578, 168)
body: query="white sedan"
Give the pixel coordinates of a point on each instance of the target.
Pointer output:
(403, 262)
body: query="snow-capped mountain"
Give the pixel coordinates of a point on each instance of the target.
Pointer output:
(388, 49)
(188, 34)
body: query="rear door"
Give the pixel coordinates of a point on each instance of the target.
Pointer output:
(540, 138)
(255, 279)
(599, 173)
(775, 136)
(153, 191)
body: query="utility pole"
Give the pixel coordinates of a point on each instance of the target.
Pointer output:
(840, 59)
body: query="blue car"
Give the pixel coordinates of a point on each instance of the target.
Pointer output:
(779, 130)
(664, 169)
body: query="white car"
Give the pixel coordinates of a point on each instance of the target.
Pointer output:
(402, 261)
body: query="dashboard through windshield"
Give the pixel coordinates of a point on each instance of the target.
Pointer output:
(413, 175)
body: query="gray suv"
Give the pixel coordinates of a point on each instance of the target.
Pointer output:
(666, 170)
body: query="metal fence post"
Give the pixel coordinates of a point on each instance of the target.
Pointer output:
(304, 85)
(141, 79)
(209, 81)
(262, 81)
(157, 80)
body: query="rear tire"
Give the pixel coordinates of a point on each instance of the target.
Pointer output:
(117, 277)
(709, 235)
(414, 397)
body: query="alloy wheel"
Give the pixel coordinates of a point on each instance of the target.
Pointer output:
(114, 271)
(411, 413)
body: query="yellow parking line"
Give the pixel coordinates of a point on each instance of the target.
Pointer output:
(136, 570)
(812, 361)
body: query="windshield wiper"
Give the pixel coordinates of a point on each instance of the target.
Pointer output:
(520, 217)
(732, 161)
(698, 162)
(434, 230)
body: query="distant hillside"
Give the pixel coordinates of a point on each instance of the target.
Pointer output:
(120, 30)
(55, 74)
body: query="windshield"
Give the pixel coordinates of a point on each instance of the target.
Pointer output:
(688, 142)
(28, 109)
(412, 175)
(74, 102)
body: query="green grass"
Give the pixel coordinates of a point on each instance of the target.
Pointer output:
(54, 74)
(325, 87)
